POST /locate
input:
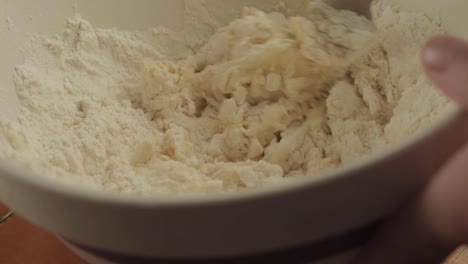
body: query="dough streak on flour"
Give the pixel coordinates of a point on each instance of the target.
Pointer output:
(149, 112)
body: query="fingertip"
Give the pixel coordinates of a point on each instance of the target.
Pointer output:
(433, 56)
(445, 60)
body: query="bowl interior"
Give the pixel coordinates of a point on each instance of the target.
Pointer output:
(21, 19)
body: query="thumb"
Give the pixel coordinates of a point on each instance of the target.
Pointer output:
(430, 228)
(445, 60)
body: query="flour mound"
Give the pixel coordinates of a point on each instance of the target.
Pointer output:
(267, 98)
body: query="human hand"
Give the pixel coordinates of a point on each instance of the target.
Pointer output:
(430, 228)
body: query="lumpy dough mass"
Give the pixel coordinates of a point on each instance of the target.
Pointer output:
(267, 99)
(250, 106)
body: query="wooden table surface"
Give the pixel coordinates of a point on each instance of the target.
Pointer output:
(22, 243)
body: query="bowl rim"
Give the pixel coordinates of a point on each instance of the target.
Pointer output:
(20, 175)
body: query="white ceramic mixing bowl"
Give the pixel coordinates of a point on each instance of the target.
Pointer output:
(309, 219)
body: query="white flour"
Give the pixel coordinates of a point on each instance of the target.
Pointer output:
(127, 112)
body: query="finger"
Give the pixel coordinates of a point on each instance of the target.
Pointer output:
(445, 60)
(431, 227)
